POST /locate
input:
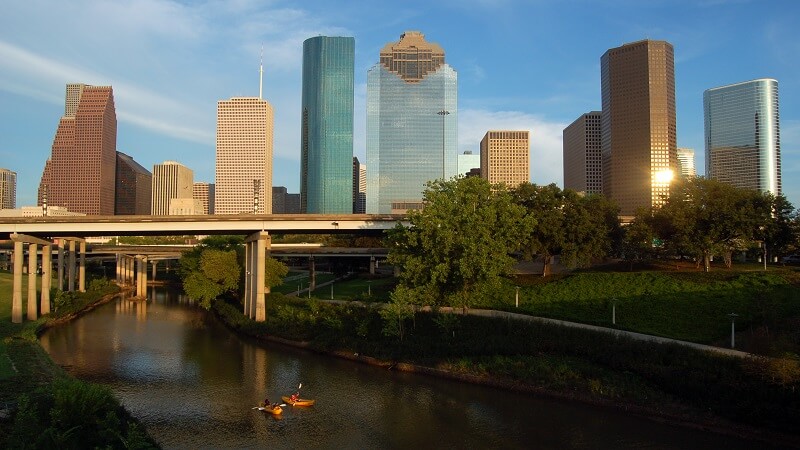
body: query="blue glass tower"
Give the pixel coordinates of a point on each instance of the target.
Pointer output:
(742, 131)
(326, 178)
(412, 113)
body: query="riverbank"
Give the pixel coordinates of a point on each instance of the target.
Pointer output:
(552, 373)
(30, 383)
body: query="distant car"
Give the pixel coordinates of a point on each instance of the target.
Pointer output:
(791, 259)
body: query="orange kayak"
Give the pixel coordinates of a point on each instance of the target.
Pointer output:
(270, 409)
(298, 402)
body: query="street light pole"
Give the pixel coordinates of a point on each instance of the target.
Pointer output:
(733, 317)
(516, 300)
(444, 114)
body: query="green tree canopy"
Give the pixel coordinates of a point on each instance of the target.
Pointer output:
(216, 273)
(460, 241)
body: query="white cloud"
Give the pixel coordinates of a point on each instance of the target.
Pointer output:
(545, 136)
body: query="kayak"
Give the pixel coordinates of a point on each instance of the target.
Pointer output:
(298, 402)
(270, 409)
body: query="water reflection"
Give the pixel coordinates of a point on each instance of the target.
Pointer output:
(193, 383)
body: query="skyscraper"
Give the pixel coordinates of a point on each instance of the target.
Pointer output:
(505, 157)
(686, 160)
(638, 124)
(205, 193)
(412, 113)
(80, 173)
(583, 162)
(327, 125)
(8, 189)
(134, 187)
(359, 187)
(468, 161)
(171, 180)
(742, 132)
(244, 156)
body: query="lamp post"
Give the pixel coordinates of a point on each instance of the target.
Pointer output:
(516, 299)
(444, 114)
(613, 310)
(765, 254)
(733, 317)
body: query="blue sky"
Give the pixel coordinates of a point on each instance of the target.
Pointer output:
(522, 64)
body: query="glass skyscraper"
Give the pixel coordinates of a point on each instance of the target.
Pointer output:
(326, 178)
(742, 131)
(412, 113)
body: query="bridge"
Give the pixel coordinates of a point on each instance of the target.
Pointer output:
(44, 232)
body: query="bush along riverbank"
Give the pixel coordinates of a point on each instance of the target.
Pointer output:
(747, 397)
(42, 405)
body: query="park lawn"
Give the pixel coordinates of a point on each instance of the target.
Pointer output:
(289, 287)
(361, 287)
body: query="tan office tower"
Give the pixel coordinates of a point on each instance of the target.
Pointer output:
(244, 156)
(205, 193)
(80, 174)
(638, 124)
(8, 189)
(171, 180)
(583, 163)
(505, 157)
(686, 160)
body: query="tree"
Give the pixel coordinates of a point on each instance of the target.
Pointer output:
(579, 228)
(703, 217)
(639, 238)
(461, 240)
(218, 272)
(781, 232)
(274, 272)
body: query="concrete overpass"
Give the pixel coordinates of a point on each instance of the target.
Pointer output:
(44, 232)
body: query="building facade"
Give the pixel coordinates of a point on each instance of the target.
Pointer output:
(134, 187)
(171, 180)
(468, 161)
(359, 187)
(686, 161)
(243, 178)
(583, 162)
(505, 157)
(412, 117)
(742, 135)
(204, 192)
(8, 189)
(80, 173)
(639, 139)
(327, 125)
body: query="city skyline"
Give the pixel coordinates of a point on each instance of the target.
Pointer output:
(169, 63)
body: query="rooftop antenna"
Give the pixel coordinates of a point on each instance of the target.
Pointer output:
(261, 73)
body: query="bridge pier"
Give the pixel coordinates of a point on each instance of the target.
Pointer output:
(60, 264)
(256, 250)
(32, 309)
(33, 257)
(141, 276)
(372, 265)
(47, 277)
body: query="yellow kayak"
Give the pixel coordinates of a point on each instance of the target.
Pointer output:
(274, 410)
(298, 402)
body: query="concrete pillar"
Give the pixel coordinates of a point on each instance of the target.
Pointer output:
(153, 273)
(16, 296)
(33, 309)
(118, 269)
(372, 265)
(312, 274)
(71, 267)
(82, 268)
(248, 268)
(47, 278)
(260, 279)
(60, 264)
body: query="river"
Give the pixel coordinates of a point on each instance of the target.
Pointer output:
(193, 384)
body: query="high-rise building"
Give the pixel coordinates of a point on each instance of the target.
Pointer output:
(505, 157)
(412, 113)
(638, 124)
(171, 180)
(134, 188)
(80, 173)
(327, 125)
(686, 161)
(244, 156)
(8, 189)
(468, 161)
(205, 193)
(742, 131)
(359, 187)
(583, 162)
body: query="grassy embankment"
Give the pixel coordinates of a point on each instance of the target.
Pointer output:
(52, 409)
(676, 381)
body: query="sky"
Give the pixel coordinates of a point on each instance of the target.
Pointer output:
(522, 65)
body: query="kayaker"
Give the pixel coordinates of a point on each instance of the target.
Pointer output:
(266, 402)
(295, 397)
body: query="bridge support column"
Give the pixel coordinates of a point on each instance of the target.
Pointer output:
(60, 264)
(16, 298)
(141, 276)
(82, 267)
(372, 265)
(118, 269)
(256, 248)
(71, 267)
(47, 278)
(33, 256)
(153, 273)
(312, 274)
